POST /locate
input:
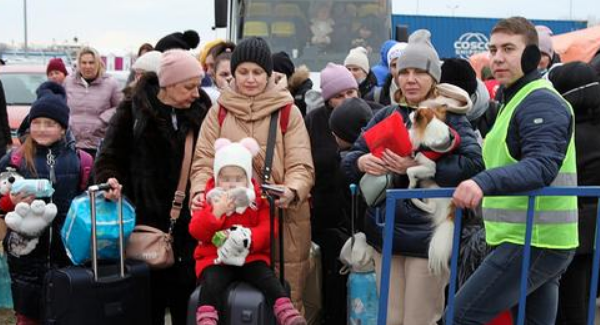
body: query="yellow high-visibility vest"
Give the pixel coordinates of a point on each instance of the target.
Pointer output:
(555, 222)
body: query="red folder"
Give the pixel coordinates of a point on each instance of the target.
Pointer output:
(390, 133)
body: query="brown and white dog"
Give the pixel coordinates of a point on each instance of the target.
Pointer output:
(431, 138)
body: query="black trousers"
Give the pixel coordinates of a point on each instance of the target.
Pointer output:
(216, 278)
(574, 291)
(171, 288)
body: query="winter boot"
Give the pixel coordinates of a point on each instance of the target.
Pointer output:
(206, 315)
(286, 314)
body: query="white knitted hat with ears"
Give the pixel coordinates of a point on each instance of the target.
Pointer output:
(237, 154)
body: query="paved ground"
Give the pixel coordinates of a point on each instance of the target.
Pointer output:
(6, 317)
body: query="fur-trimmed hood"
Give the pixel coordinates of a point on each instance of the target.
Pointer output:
(145, 103)
(298, 78)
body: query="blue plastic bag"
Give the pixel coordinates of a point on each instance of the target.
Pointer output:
(363, 301)
(76, 232)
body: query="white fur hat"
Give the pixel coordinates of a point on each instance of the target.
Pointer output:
(148, 62)
(395, 52)
(237, 154)
(358, 57)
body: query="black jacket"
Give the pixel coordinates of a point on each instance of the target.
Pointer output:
(381, 95)
(5, 138)
(586, 105)
(143, 150)
(485, 122)
(299, 83)
(327, 208)
(367, 85)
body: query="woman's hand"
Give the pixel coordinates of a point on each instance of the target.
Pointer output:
(371, 165)
(21, 197)
(224, 204)
(396, 163)
(286, 198)
(198, 201)
(115, 189)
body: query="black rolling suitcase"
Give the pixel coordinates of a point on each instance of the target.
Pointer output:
(247, 305)
(113, 294)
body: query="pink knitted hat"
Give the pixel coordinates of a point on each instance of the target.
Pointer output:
(177, 66)
(336, 78)
(545, 40)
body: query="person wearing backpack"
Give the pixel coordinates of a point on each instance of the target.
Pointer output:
(245, 110)
(45, 154)
(143, 150)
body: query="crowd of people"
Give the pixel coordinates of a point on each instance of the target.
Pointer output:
(255, 118)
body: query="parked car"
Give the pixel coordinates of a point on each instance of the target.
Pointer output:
(20, 83)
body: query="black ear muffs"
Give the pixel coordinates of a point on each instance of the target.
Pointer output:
(530, 59)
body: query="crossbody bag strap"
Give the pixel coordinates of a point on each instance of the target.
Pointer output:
(267, 168)
(186, 163)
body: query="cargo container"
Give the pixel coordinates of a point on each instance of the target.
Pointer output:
(465, 36)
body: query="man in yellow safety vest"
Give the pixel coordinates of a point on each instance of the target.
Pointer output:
(531, 145)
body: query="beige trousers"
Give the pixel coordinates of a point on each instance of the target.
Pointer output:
(416, 295)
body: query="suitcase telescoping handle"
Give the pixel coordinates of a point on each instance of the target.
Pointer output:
(353, 211)
(272, 215)
(92, 191)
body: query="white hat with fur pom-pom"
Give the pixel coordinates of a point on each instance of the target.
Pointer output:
(237, 154)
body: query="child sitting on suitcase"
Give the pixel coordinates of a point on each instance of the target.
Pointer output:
(34, 247)
(233, 233)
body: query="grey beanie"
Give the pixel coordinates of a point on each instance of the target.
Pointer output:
(420, 54)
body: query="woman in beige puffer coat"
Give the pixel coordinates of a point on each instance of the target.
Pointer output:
(244, 110)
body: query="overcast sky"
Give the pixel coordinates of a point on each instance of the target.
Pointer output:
(122, 25)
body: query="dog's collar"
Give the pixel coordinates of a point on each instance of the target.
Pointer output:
(436, 155)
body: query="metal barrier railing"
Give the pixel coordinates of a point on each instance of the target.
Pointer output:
(388, 233)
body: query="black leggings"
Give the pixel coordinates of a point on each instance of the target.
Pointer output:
(216, 278)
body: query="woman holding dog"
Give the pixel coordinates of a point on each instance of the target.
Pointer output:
(418, 290)
(244, 110)
(143, 150)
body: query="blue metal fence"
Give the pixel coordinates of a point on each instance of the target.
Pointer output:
(388, 233)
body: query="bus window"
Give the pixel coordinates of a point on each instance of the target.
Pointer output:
(314, 32)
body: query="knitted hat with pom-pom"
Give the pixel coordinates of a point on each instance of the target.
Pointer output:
(186, 41)
(51, 103)
(420, 54)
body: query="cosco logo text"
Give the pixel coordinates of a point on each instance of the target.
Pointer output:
(471, 43)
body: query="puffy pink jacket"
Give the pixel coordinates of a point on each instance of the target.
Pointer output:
(92, 106)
